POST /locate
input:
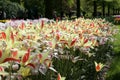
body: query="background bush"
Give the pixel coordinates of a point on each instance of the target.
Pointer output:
(11, 9)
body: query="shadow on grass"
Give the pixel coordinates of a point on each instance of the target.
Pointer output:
(114, 77)
(114, 72)
(117, 54)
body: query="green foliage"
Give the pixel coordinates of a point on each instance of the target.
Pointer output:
(61, 7)
(12, 10)
(80, 70)
(35, 7)
(85, 70)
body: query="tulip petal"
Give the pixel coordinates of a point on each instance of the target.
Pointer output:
(3, 34)
(32, 65)
(73, 41)
(1, 68)
(11, 59)
(59, 76)
(25, 57)
(0, 53)
(12, 37)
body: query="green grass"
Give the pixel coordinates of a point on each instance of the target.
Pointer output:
(114, 72)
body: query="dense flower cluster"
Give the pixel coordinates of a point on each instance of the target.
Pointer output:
(27, 47)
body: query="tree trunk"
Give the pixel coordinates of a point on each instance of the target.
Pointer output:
(103, 8)
(48, 9)
(61, 10)
(117, 11)
(113, 10)
(78, 8)
(95, 8)
(108, 10)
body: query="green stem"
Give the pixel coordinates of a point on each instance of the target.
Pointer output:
(95, 77)
(10, 69)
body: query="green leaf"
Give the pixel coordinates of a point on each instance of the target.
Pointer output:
(4, 73)
(7, 31)
(5, 64)
(44, 56)
(62, 78)
(21, 53)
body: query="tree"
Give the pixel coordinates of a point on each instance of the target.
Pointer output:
(102, 4)
(109, 4)
(48, 8)
(11, 9)
(108, 7)
(103, 8)
(65, 7)
(59, 6)
(78, 8)
(34, 8)
(95, 8)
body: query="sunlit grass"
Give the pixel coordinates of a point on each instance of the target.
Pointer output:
(114, 72)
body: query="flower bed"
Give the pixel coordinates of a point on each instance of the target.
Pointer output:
(76, 49)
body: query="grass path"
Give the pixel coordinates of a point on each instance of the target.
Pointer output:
(114, 72)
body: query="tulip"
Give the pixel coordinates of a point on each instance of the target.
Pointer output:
(98, 66)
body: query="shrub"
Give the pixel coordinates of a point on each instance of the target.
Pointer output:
(12, 9)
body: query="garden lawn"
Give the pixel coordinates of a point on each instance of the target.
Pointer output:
(114, 72)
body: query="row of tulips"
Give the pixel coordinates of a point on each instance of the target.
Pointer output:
(28, 48)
